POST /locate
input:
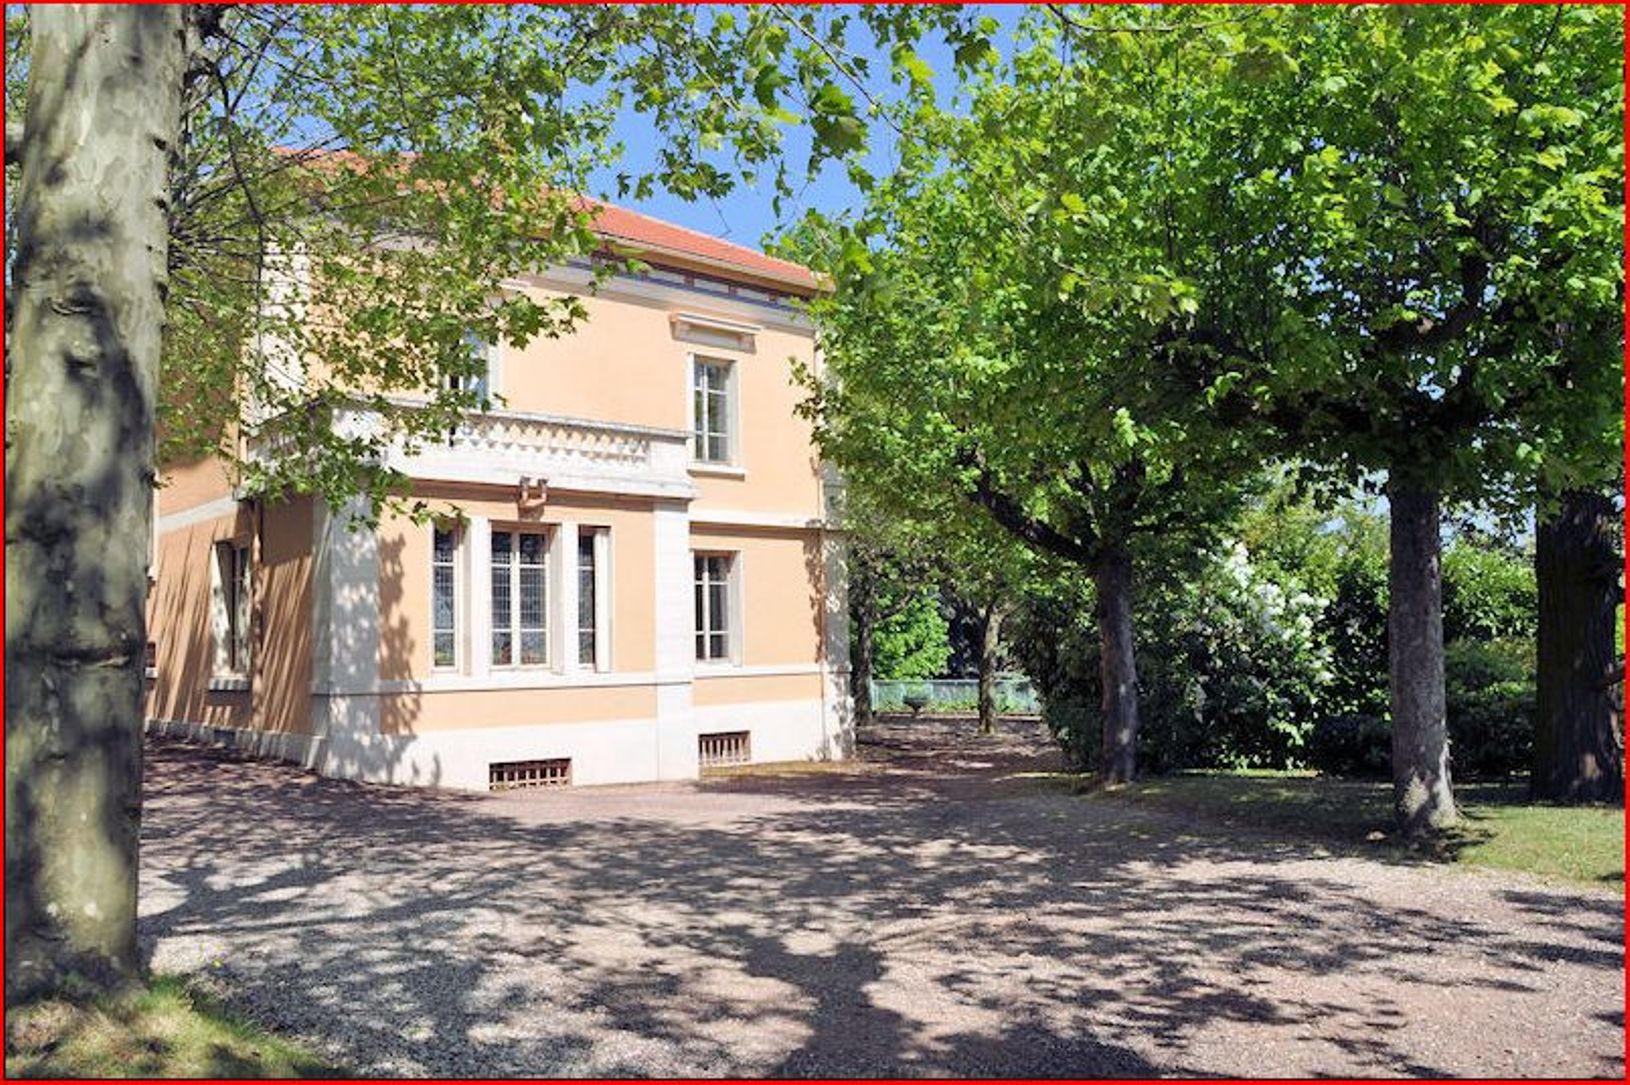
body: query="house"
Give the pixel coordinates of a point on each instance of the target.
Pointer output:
(639, 580)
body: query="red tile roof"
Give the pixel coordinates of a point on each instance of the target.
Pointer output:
(641, 231)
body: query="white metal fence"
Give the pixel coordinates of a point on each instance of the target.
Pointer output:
(1014, 695)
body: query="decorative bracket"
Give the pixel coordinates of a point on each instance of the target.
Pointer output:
(534, 491)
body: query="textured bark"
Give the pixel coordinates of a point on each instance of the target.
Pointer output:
(104, 102)
(860, 660)
(1578, 744)
(990, 644)
(1422, 797)
(1118, 667)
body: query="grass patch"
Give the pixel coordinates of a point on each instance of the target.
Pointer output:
(1500, 829)
(164, 1030)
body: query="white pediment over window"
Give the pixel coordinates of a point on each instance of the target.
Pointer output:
(714, 331)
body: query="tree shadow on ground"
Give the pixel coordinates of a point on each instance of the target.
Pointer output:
(921, 917)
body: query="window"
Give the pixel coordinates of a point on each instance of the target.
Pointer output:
(723, 748)
(519, 626)
(479, 380)
(713, 606)
(711, 410)
(231, 600)
(510, 775)
(444, 598)
(587, 601)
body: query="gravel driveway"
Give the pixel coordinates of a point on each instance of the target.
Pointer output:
(929, 910)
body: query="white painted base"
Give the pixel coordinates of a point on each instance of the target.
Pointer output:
(602, 752)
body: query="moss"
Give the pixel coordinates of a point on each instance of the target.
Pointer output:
(163, 1030)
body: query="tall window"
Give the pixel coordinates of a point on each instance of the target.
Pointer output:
(232, 609)
(519, 624)
(712, 606)
(587, 602)
(711, 410)
(444, 598)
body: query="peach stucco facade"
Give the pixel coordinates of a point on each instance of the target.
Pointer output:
(597, 588)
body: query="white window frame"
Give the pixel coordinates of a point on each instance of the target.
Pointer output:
(231, 603)
(487, 384)
(700, 626)
(732, 393)
(460, 587)
(514, 630)
(600, 544)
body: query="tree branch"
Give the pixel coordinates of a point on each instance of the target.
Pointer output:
(14, 143)
(1011, 515)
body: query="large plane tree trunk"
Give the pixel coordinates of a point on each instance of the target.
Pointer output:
(1117, 666)
(1422, 797)
(1578, 749)
(104, 104)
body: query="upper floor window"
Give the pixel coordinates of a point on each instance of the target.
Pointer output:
(231, 609)
(520, 628)
(480, 379)
(712, 410)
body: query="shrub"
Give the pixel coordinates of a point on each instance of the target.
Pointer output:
(1351, 744)
(1491, 707)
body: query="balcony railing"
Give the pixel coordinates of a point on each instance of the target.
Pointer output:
(501, 447)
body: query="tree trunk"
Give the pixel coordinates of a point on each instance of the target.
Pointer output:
(1118, 666)
(1578, 747)
(990, 643)
(860, 662)
(104, 101)
(1422, 797)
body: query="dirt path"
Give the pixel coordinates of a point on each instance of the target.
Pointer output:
(927, 910)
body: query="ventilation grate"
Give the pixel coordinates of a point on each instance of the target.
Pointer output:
(509, 775)
(724, 748)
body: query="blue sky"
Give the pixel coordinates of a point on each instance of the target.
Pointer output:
(747, 215)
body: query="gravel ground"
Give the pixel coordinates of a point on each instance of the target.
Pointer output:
(928, 910)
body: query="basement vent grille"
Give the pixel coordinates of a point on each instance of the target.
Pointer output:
(724, 748)
(509, 775)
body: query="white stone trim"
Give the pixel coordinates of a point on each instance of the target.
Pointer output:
(477, 538)
(574, 280)
(602, 751)
(704, 517)
(674, 649)
(717, 470)
(755, 670)
(345, 625)
(198, 514)
(563, 614)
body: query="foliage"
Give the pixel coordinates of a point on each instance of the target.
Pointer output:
(1491, 706)
(163, 1030)
(1273, 653)
(1433, 197)
(911, 640)
(1499, 829)
(1231, 674)
(354, 188)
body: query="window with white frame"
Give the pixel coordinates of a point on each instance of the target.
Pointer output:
(712, 410)
(520, 625)
(479, 379)
(231, 609)
(444, 597)
(589, 602)
(714, 604)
